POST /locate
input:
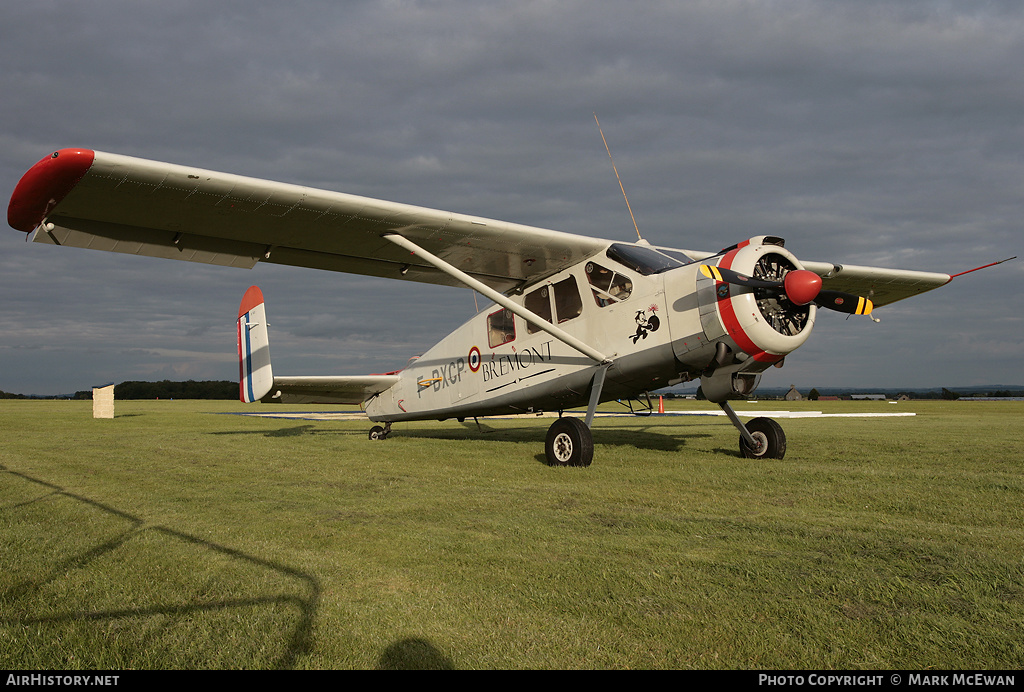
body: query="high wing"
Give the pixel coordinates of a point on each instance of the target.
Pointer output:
(93, 199)
(125, 204)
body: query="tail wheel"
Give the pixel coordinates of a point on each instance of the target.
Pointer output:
(569, 443)
(770, 439)
(377, 433)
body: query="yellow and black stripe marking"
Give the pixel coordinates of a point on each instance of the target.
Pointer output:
(711, 272)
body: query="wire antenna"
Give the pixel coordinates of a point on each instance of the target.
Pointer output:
(639, 237)
(953, 276)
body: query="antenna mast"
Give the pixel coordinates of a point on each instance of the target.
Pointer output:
(639, 237)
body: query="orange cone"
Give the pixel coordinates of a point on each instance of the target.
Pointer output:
(661, 404)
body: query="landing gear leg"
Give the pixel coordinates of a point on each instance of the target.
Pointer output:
(760, 438)
(379, 433)
(595, 393)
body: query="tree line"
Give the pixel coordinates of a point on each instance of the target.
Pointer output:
(166, 389)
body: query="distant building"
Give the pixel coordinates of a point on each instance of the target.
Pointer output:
(793, 395)
(872, 397)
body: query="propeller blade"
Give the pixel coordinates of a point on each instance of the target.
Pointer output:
(844, 302)
(733, 277)
(800, 286)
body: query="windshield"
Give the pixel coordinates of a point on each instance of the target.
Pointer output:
(676, 254)
(642, 259)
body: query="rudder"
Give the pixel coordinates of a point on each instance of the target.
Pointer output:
(255, 377)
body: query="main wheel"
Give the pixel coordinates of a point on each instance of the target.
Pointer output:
(377, 433)
(770, 438)
(569, 443)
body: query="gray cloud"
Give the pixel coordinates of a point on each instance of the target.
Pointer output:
(862, 132)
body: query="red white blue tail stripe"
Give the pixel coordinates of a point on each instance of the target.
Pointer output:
(255, 377)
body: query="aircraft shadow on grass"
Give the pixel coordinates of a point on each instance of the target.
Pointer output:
(406, 654)
(643, 438)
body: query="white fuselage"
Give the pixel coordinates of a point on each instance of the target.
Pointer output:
(657, 329)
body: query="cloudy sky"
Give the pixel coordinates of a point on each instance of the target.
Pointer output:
(862, 132)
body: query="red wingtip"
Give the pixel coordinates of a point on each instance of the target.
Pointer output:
(45, 185)
(252, 298)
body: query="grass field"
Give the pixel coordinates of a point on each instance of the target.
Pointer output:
(170, 537)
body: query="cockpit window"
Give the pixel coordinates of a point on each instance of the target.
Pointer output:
(607, 286)
(644, 260)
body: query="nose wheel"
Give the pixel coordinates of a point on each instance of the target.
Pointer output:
(760, 438)
(769, 440)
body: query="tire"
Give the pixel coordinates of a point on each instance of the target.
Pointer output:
(569, 443)
(770, 434)
(377, 433)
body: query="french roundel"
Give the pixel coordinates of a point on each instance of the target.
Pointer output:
(474, 359)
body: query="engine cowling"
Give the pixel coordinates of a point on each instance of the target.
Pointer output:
(748, 322)
(761, 323)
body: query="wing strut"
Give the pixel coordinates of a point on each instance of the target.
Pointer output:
(498, 298)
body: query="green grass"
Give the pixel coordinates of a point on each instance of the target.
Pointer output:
(170, 537)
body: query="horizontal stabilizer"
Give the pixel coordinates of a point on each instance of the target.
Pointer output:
(328, 390)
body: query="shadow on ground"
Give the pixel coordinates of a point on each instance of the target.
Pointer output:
(99, 619)
(642, 436)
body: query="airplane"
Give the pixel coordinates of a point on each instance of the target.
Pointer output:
(576, 320)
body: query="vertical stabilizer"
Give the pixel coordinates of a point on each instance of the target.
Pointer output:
(255, 378)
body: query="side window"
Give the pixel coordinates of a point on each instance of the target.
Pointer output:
(501, 327)
(538, 303)
(607, 286)
(568, 303)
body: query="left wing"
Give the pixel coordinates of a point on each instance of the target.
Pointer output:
(92, 199)
(882, 286)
